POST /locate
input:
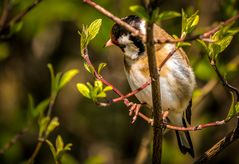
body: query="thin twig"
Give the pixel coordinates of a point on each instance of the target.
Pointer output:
(19, 16)
(131, 29)
(223, 80)
(4, 16)
(219, 146)
(124, 97)
(13, 141)
(44, 137)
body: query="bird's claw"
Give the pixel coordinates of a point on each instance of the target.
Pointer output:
(134, 109)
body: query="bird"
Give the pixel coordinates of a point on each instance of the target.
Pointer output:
(177, 79)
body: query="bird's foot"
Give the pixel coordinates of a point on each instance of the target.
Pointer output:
(134, 110)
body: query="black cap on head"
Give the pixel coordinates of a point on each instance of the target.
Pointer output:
(118, 30)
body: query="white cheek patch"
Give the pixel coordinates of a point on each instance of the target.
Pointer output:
(124, 39)
(142, 27)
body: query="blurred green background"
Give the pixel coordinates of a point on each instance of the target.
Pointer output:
(102, 135)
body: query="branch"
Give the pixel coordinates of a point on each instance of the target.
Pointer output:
(19, 16)
(131, 29)
(85, 55)
(41, 140)
(224, 81)
(13, 141)
(155, 87)
(5, 24)
(220, 145)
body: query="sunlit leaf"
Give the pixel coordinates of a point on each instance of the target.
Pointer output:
(101, 67)
(183, 44)
(94, 28)
(188, 23)
(68, 147)
(59, 144)
(84, 90)
(88, 68)
(140, 11)
(107, 88)
(168, 15)
(40, 108)
(67, 77)
(52, 76)
(101, 95)
(43, 122)
(52, 148)
(232, 112)
(52, 125)
(99, 84)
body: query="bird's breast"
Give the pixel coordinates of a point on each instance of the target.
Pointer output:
(176, 82)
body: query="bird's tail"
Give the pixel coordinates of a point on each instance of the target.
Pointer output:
(184, 141)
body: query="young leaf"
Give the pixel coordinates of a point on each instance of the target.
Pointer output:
(40, 108)
(30, 105)
(52, 148)
(232, 112)
(52, 125)
(89, 68)
(84, 90)
(57, 82)
(59, 144)
(188, 23)
(101, 66)
(140, 11)
(101, 95)
(43, 122)
(94, 28)
(52, 76)
(67, 77)
(183, 44)
(168, 15)
(107, 88)
(99, 84)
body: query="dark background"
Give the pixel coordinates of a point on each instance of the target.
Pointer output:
(48, 34)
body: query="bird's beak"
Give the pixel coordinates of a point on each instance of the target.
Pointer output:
(109, 43)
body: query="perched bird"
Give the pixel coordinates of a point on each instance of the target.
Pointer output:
(177, 80)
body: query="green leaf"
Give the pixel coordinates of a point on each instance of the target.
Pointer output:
(94, 28)
(89, 68)
(43, 122)
(107, 88)
(52, 148)
(84, 90)
(232, 112)
(203, 44)
(101, 95)
(52, 125)
(155, 14)
(67, 77)
(101, 67)
(188, 23)
(89, 33)
(233, 31)
(59, 144)
(30, 104)
(57, 83)
(165, 15)
(98, 84)
(224, 43)
(52, 76)
(40, 108)
(140, 11)
(68, 147)
(183, 44)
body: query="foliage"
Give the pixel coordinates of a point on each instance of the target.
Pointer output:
(59, 149)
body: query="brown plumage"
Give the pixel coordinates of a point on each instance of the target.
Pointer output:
(176, 76)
